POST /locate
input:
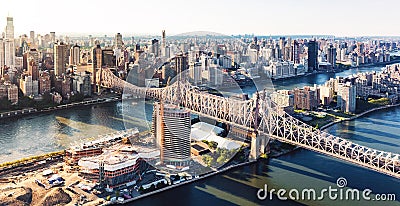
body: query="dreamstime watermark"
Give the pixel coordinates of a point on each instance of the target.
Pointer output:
(331, 193)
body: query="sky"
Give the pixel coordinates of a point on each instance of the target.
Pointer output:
(230, 17)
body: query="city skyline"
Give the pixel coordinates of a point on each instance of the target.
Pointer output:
(309, 17)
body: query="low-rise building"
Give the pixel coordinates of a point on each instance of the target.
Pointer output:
(93, 148)
(113, 168)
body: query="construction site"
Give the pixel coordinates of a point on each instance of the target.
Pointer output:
(117, 167)
(87, 174)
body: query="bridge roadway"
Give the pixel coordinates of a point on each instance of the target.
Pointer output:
(264, 119)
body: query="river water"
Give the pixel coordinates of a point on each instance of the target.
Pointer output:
(41, 133)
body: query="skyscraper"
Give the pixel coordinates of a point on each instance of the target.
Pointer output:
(163, 39)
(97, 54)
(10, 28)
(118, 41)
(9, 52)
(32, 39)
(295, 54)
(331, 55)
(34, 54)
(171, 128)
(180, 63)
(282, 43)
(52, 37)
(155, 49)
(60, 58)
(195, 72)
(32, 36)
(74, 58)
(2, 62)
(9, 47)
(313, 54)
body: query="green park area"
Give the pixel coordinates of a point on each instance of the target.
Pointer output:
(220, 156)
(365, 105)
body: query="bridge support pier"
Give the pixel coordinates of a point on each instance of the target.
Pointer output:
(259, 145)
(254, 147)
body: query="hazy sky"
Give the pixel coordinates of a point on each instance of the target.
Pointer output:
(261, 17)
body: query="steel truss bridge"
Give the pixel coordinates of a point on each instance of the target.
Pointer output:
(263, 118)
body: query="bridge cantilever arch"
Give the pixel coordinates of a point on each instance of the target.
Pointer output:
(259, 115)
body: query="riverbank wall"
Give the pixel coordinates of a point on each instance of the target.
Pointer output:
(359, 115)
(230, 167)
(28, 111)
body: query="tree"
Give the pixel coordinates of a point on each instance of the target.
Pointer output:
(207, 159)
(221, 159)
(26, 102)
(213, 144)
(77, 97)
(5, 104)
(141, 188)
(152, 187)
(160, 185)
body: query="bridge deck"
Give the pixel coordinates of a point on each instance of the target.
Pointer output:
(259, 115)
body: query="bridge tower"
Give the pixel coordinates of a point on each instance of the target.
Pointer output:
(259, 142)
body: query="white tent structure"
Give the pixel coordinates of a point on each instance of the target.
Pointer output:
(204, 131)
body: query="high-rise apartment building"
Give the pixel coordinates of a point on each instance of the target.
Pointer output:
(313, 55)
(163, 39)
(60, 58)
(28, 86)
(2, 62)
(44, 83)
(118, 41)
(32, 38)
(155, 48)
(9, 52)
(346, 97)
(52, 37)
(180, 63)
(31, 54)
(12, 93)
(96, 62)
(295, 52)
(108, 58)
(74, 58)
(331, 55)
(33, 69)
(171, 128)
(305, 98)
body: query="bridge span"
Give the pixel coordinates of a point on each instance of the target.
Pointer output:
(260, 116)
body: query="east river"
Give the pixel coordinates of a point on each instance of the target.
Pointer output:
(47, 132)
